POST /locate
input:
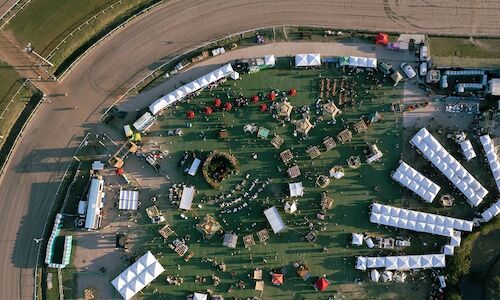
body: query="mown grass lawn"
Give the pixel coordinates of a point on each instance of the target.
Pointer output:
(352, 194)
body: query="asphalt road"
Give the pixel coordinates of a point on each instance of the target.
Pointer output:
(33, 174)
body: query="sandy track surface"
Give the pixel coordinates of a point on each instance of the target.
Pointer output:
(32, 177)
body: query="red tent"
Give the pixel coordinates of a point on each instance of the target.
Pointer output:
(190, 114)
(321, 284)
(382, 39)
(271, 96)
(119, 171)
(293, 92)
(228, 106)
(217, 102)
(277, 279)
(263, 107)
(208, 110)
(255, 98)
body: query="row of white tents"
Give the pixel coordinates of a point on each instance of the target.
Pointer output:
(467, 150)
(416, 182)
(190, 88)
(137, 276)
(491, 212)
(362, 62)
(307, 60)
(406, 262)
(491, 157)
(449, 166)
(417, 221)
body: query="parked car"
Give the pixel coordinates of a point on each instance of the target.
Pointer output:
(408, 70)
(403, 243)
(423, 69)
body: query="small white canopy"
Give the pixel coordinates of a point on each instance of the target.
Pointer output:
(386, 276)
(97, 165)
(129, 200)
(357, 239)
(307, 60)
(270, 60)
(274, 219)
(374, 275)
(296, 189)
(290, 207)
(200, 296)
(235, 75)
(187, 198)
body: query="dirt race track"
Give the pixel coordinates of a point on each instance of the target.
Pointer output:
(32, 177)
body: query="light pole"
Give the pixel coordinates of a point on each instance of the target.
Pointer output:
(29, 50)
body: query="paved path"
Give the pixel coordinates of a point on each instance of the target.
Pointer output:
(43, 153)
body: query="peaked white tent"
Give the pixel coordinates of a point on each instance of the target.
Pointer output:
(417, 221)
(491, 157)
(137, 276)
(418, 183)
(200, 296)
(270, 60)
(362, 62)
(375, 275)
(408, 262)
(274, 219)
(448, 250)
(433, 151)
(467, 150)
(307, 60)
(128, 200)
(357, 239)
(190, 88)
(491, 212)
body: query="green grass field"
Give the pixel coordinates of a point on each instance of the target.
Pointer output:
(465, 48)
(45, 23)
(9, 84)
(352, 194)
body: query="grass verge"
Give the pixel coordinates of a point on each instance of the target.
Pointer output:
(45, 23)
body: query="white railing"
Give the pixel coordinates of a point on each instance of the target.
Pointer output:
(86, 23)
(77, 61)
(12, 99)
(6, 17)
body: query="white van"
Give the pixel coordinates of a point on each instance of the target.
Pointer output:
(408, 70)
(424, 53)
(423, 69)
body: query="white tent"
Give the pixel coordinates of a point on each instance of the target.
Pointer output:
(408, 262)
(491, 212)
(235, 75)
(296, 189)
(178, 94)
(415, 181)
(357, 239)
(417, 221)
(144, 122)
(128, 200)
(274, 219)
(290, 207)
(386, 276)
(448, 250)
(200, 296)
(492, 157)
(467, 150)
(307, 60)
(187, 197)
(433, 151)
(137, 276)
(270, 60)
(374, 275)
(362, 62)
(336, 174)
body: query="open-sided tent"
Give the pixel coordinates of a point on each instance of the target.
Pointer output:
(296, 189)
(187, 197)
(357, 239)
